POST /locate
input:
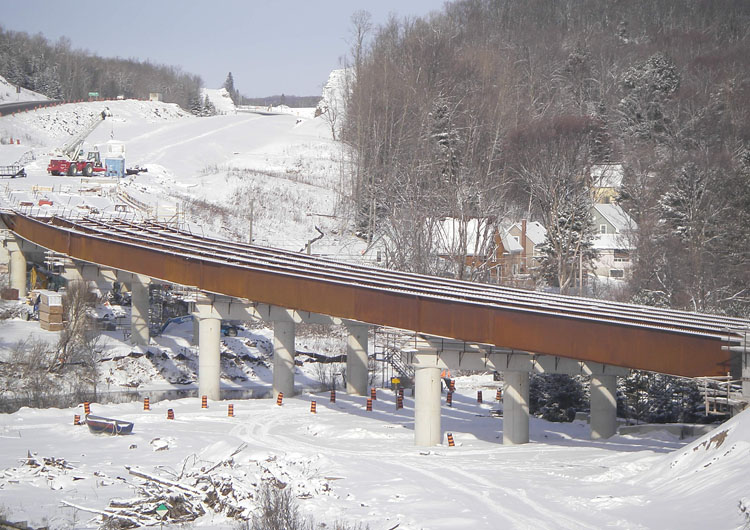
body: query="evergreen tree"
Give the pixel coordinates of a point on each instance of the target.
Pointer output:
(556, 397)
(229, 86)
(648, 87)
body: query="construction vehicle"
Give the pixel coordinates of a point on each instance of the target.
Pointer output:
(73, 159)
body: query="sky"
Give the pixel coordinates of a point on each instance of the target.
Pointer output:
(280, 47)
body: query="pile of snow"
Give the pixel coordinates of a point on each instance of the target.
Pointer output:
(336, 91)
(9, 93)
(220, 99)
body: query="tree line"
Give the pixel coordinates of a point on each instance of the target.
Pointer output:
(58, 71)
(497, 109)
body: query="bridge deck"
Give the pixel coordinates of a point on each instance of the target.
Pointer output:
(631, 336)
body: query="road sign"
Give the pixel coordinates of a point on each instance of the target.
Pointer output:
(162, 510)
(95, 95)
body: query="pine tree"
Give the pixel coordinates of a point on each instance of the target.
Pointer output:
(229, 86)
(648, 86)
(556, 397)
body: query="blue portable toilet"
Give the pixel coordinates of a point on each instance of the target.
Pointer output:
(115, 167)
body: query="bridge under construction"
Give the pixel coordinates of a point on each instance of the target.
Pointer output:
(460, 325)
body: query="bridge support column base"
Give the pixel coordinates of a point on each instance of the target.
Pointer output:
(283, 358)
(209, 358)
(516, 408)
(427, 429)
(18, 272)
(139, 304)
(356, 360)
(603, 406)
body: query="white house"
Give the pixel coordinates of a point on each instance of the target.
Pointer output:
(613, 241)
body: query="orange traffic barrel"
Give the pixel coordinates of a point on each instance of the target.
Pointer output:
(333, 396)
(499, 395)
(146, 404)
(479, 396)
(230, 410)
(373, 394)
(77, 419)
(451, 443)
(170, 414)
(369, 404)
(279, 398)
(204, 402)
(314, 407)
(87, 407)
(449, 399)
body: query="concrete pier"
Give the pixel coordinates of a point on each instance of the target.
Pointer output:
(516, 408)
(603, 406)
(209, 359)
(283, 357)
(17, 272)
(139, 304)
(427, 428)
(356, 360)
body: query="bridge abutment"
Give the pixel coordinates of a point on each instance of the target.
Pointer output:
(603, 392)
(283, 357)
(209, 358)
(427, 401)
(356, 359)
(516, 408)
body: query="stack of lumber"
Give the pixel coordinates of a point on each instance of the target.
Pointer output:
(50, 311)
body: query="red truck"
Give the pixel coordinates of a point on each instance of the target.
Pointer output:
(74, 160)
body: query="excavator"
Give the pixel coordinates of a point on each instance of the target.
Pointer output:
(73, 160)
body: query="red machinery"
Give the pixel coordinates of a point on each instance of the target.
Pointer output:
(73, 159)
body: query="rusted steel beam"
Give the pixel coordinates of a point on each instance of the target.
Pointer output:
(609, 342)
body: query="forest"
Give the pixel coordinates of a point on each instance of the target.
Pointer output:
(498, 109)
(61, 72)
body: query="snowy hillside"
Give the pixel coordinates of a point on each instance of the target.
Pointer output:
(10, 94)
(284, 164)
(220, 99)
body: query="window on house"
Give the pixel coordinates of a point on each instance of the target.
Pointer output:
(517, 238)
(621, 256)
(602, 229)
(616, 273)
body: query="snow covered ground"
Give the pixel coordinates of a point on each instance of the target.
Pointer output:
(347, 464)
(342, 463)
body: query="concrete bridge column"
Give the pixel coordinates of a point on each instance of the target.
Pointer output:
(516, 408)
(427, 429)
(17, 272)
(283, 357)
(356, 360)
(196, 330)
(209, 357)
(139, 304)
(603, 406)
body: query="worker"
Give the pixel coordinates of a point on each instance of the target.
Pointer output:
(445, 375)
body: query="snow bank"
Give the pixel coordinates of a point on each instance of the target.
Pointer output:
(220, 99)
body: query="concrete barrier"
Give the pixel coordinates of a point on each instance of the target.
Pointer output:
(683, 430)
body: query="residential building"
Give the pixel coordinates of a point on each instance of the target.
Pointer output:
(613, 241)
